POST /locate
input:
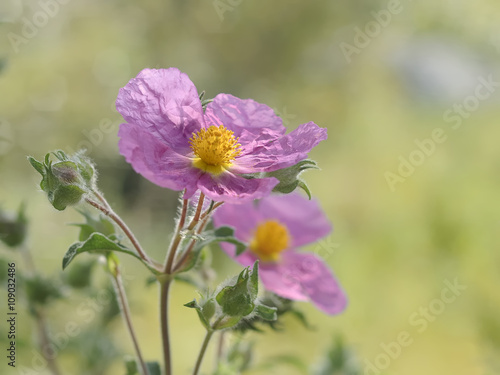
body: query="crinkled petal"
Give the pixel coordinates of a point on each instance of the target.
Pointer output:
(228, 187)
(304, 276)
(304, 219)
(239, 115)
(156, 161)
(165, 103)
(282, 152)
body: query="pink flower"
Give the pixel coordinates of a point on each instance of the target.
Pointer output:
(170, 140)
(275, 229)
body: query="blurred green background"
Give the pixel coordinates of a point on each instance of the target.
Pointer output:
(393, 249)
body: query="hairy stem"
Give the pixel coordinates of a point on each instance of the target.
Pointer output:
(164, 296)
(122, 299)
(177, 238)
(45, 342)
(220, 349)
(40, 316)
(196, 217)
(185, 256)
(203, 349)
(118, 220)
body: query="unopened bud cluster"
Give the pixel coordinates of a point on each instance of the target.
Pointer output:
(67, 180)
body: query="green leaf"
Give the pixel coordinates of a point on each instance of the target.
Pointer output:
(221, 234)
(97, 242)
(66, 195)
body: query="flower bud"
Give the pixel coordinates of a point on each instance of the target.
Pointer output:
(235, 301)
(13, 229)
(65, 181)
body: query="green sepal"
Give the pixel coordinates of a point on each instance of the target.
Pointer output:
(37, 165)
(266, 313)
(194, 305)
(282, 306)
(289, 177)
(238, 300)
(66, 195)
(221, 234)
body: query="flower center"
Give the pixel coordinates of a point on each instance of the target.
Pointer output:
(214, 148)
(270, 239)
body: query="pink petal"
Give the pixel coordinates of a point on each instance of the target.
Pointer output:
(165, 103)
(238, 115)
(228, 187)
(243, 217)
(282, 152)
(156, 161)
(304, 276)
(304, 218)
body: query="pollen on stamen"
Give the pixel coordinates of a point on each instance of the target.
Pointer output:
(270, 239)
(214, 148)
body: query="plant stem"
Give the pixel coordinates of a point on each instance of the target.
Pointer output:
(210, 210)
(220, 348)
(122, 299)
(39, 315)
(101, 198)
(191, 246)
(118, 220)
(164, 296)
(45, 342)
(203, 349)
(177, 239)
(196, 217)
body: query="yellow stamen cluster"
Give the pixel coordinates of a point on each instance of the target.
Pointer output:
(270, 239)
(215, 148)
